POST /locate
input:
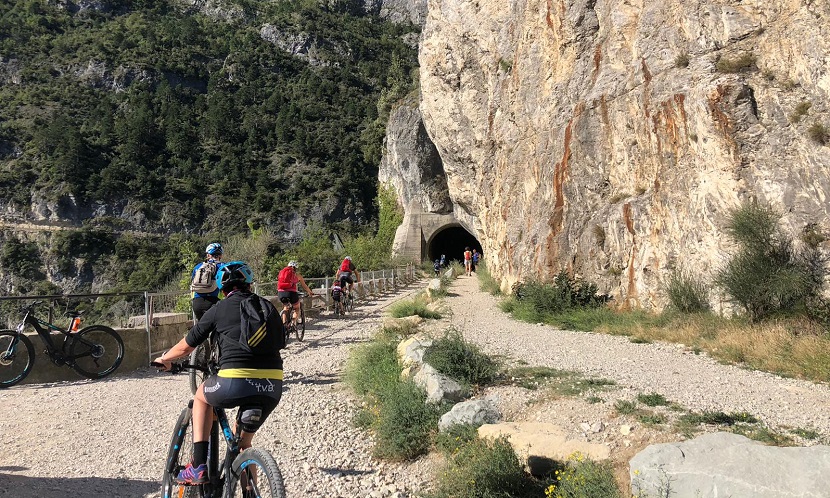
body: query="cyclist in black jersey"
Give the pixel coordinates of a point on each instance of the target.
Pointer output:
(244, 379)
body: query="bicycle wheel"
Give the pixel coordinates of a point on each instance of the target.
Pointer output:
(17, 357)
(350, 303)
(300, 330)
(254, 473)
(96, 351)
(178, 455)
(286, 325)
(199, 356)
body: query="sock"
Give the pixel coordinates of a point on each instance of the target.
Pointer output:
(200, 451)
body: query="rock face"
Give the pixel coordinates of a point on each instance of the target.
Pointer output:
(411, 163)
(414, 11)
(612, 137)
(724, 464)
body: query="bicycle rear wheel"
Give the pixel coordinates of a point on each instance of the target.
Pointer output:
(96, 351)
(255, 474)
(178, 454)
(17, 357)
(300, 332)
(199, 356)
(350, 303)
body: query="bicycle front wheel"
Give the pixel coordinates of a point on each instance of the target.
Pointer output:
(96, 351)
(17, 357)
(301, 325)
(178, 454)
(255, 474)
(350, 303)
(200, 356)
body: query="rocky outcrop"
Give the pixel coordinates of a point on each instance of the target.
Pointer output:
(611, 138)
(724, 464)
(399, 11)
(411, 163)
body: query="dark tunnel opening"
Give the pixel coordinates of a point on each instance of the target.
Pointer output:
(451, 241)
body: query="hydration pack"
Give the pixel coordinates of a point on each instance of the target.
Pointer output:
(261, 327)
(204, 278)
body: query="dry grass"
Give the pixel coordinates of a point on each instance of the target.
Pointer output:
(789, 347)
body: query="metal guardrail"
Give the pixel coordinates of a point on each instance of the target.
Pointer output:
(119, 312)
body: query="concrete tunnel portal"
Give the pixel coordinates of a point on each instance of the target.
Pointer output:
(451, 241)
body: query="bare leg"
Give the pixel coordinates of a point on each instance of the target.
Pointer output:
(202, 416)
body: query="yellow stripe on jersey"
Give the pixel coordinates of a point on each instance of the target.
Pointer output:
(251, 373)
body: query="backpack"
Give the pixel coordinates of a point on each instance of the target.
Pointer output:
(261, 326)
(204, 278)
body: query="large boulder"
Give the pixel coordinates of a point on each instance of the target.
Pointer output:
(411, 350)
(725, 464)
(474, 412)
(541, 445)
(438, 386)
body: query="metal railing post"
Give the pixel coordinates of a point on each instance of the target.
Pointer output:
(147, 326)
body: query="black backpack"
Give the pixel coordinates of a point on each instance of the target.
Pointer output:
(262, 330)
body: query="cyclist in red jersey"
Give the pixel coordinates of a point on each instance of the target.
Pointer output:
(287, 283)
(344, 273)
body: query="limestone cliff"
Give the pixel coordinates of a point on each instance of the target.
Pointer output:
(611, 137)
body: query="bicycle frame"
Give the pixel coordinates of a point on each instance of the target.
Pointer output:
(45, 334)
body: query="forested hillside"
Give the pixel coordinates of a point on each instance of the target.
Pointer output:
(168, 119)
(161, 117)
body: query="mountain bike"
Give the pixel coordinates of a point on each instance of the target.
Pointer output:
(94, 351)
(297, 328)
(247, 474)
(204, 354)
(348, 301)
(339, 310)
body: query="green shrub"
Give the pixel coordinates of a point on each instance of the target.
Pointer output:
(486, 282)
(456, 436)
(373, 368)
(485, 468)
(584, 478)
(682, 60)
(740, 64)
(405, 422)
(819, 134)
(652, 399)
(800, 111)
(768, 276)
(412, 307)
(453, 356)
(687, 293)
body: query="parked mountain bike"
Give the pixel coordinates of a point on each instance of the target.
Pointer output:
(298, 329)
(247, 474)
(94, 351)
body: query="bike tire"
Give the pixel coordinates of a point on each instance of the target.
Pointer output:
(300, 332)
(15, 365)
(269, 483)
(199, 356)
(351, 303)
(285, 316)
(97, 351)
(179, 454)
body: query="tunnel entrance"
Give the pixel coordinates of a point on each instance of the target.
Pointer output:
(451, 241)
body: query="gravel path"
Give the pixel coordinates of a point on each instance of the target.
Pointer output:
(108, 438)
(697, 382)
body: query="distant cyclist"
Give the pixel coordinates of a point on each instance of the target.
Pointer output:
(437, 267)
(248, 377)
(345, 272)
(287, 290)
(203, 280)
(337, 296)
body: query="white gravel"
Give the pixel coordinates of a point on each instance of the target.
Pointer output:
(109, 438)
(696, 381)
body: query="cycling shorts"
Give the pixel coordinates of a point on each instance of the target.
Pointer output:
(346, 278)
(263, 394)
(287, 297)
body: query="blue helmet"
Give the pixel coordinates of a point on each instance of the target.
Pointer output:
(214, 249)
(234, 273)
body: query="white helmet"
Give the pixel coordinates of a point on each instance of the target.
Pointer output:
(348, 258)
(293, 264)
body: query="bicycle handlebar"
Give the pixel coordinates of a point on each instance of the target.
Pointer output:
(179, 367)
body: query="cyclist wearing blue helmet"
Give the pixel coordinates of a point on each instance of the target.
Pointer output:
(203, 280)
(246, 378)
